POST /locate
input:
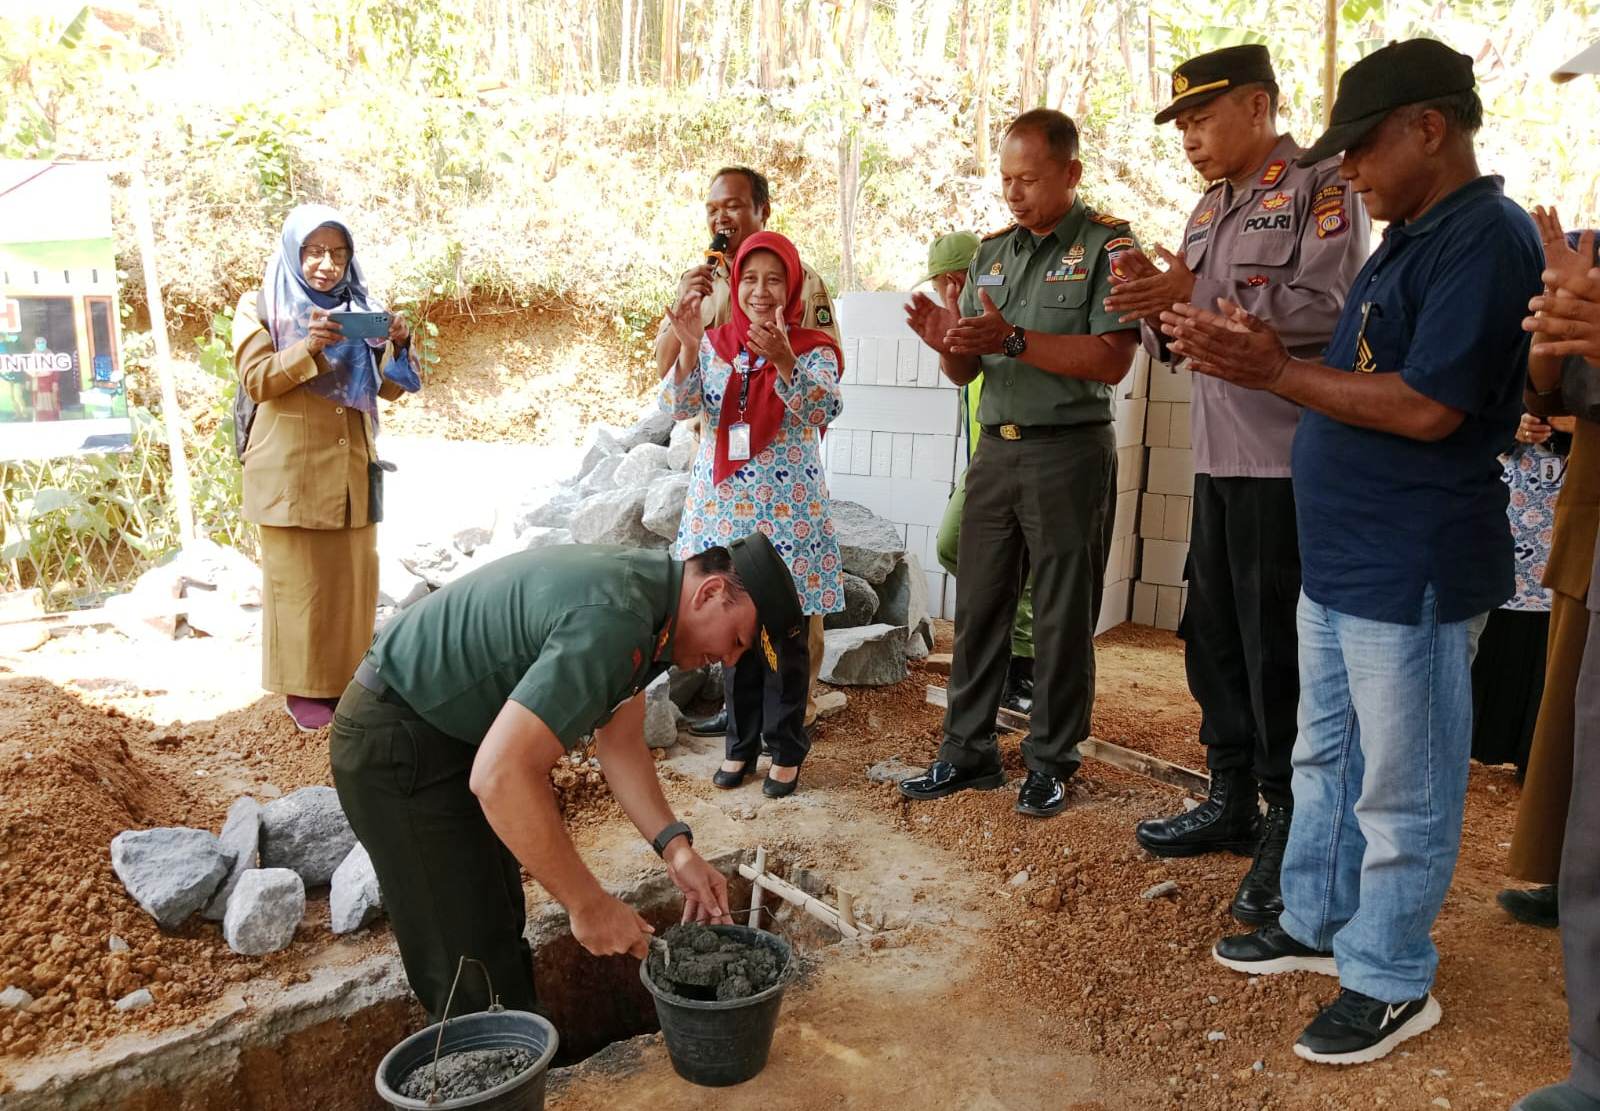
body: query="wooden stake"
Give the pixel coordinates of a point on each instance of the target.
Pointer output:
(755, 888)
(789, 893)
(847, 907)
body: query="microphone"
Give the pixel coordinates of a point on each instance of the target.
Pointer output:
(718, 251)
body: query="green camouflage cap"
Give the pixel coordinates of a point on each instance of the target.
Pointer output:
(950, 253)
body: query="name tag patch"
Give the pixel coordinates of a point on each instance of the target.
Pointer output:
(991, 279)
(1268, 221)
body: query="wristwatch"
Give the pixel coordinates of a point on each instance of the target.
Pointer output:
(661, 840)
(1015, 344)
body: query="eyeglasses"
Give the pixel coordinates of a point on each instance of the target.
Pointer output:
(339, 255)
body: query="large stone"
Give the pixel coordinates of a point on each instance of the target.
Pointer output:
(681, 446)
(641, 466)
(904, 601)
(534, 537)
(663, 504)
(603, 445)
(871, 656)
(603, 477)
(240, 839)
(354, 899)
(653, 428)
(264, 911)
(868, 545)
(860, 603)
(434, 563)
(171, 873)
(686, 685)
(306, 832)
(397, 586)
(553, 510)
(613, 518)
(661, 714)
(471, 538)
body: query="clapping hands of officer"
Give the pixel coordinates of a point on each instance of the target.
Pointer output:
(1144, 290)
(1233, 345)
(1566, 316)
(932, 320)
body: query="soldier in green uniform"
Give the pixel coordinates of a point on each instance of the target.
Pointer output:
(444, 742)
(948, 259)
(1041, 487)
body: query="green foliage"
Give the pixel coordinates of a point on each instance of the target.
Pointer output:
(268, 137)
(39, 62)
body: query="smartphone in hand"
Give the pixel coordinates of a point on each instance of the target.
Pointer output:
(362, 325)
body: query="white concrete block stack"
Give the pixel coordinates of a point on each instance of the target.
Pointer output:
(1168, 488)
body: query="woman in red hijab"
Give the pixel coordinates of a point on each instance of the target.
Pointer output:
(767, 389)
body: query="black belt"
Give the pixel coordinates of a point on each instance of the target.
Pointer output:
(1038, 431)
(368, 677)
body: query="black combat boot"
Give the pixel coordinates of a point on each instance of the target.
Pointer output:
(1259, 901)
(1228, 821)
(1018, 693)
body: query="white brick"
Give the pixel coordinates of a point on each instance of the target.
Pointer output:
(1177, 519)
(1171, 471)
(1113, 606)
(1144, 603)
(1170, 385)
(1158, 424)
(901, 464)
(1153, 516)
(1162, 562)
(900, 500)
(888, 362)
(865, 370)
(950, 597)
(906, 372)
(1137, 381)
(883, 453)
(935, 581)
(917, 540)
(852, 357)
(861, 453)
(1180, 426)
(840, 445)
(1130, 468)
(1130, 422)
(1169, 607)
(899, 409)
(933, 458)
(1127, 514)
(930, 553)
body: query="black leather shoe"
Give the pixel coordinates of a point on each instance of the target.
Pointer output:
(1259, 900)
(729, 780)
(944, 778)
(714, 726)
(1042, 796)
(1018, 693)
(1227, 821)
(774, 789)
(1533, 906)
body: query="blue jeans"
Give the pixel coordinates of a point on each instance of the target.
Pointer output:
(1380, 782)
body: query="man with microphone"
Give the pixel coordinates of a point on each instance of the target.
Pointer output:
(737, 207)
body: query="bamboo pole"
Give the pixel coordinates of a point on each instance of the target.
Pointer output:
(756, 889)
(1330, 56)
(789, 893)
(171, 415)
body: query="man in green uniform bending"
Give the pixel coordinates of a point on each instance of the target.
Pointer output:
(1042, 484)
(444, 742)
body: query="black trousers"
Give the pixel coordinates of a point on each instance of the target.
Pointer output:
(450, 887)
(1242, 652)
(762, 702)
(1047, 506)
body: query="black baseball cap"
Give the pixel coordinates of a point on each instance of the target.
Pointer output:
(1401, 73)
(1210, 75)
(771, 587)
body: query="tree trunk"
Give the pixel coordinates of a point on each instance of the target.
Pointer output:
(596, 73)
(963, 33)
(1028, 87)
(769, 41)
(937, 16)
(904, 34)
(985, 49)
(636, 51)
(849, 194)
(1150, 57)
(671, 14)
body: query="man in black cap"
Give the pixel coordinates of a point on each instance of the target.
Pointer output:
(1284, 242)
(1403, 540)
(444, 743)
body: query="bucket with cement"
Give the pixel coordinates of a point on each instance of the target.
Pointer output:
(494, 1060)
(714, 1042)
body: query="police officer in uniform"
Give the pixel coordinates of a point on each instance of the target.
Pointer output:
(1285, 242)
(1041, 486)
(737, 207)
(444, 742)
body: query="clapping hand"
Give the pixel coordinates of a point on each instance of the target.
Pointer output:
(983, 334)
(1234, 346)
(1567, 262)
(687, 324)
(1145, 290)
(932, 321)
(770, 340)
(1567, 315)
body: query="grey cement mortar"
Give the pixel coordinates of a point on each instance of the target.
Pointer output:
(704, 964)
(467, 1073)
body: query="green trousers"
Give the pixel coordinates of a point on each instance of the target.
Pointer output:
(450, 887)
(1045, 505)
(947, 545)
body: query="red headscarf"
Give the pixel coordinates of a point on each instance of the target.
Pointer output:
(763, 411)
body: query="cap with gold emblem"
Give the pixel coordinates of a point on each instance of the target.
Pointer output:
(1210, 75)
(771, 587)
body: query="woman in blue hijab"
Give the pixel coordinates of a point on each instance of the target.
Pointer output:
(311, 477)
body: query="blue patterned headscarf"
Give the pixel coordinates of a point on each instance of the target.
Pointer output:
(352, 378)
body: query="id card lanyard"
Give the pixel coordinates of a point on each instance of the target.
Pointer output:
(739, 431)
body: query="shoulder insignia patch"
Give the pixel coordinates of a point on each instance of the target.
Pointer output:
(1273, 172)
(1002, 231)
(1331, 222)
(1328, 196)
(824, 317)
(1109, 221)
(1120, 243)
(1205, 218)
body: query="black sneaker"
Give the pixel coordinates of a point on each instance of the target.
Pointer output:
(1270, 950)
(944, 778)
(1356, 1028)
(1533, 906)
(1042, 796)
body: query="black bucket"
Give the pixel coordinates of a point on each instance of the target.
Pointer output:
(495, 1028)
(716, 1044)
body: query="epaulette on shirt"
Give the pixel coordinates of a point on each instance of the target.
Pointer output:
(1109, 221)
(1003, 231)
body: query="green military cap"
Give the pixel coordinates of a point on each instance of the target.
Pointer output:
(1399, 74)
(950, 253)
(771, 587)
(1586, 62)
(1210, 75)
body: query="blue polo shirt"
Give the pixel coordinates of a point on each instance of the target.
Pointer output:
(1381, 517)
